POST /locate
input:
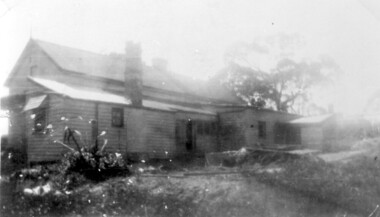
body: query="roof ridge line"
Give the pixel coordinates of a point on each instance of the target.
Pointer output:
(69, 47)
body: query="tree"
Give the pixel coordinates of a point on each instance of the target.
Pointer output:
(251, 85)
(279, 86)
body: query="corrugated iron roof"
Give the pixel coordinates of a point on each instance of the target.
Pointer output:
(112, 66)
(106, 66)
(211, 88)
(102, 96)
(83, 94)
(172, 107)
(311, 120)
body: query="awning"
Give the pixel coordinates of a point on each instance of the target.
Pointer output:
(94, 94)
(34, 102)
(311, 119)
(103, 96)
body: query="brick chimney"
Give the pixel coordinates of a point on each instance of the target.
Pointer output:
(133, 73)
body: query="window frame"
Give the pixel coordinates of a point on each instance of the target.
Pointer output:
(262, 129)
(214, 129)
(117, 122)
(200, 127)
(207, 128)
(40, 114)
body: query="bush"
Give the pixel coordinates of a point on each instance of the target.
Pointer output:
(97, 166)
(116, 197)
(368, 143)
(11, 160)
(90, 161)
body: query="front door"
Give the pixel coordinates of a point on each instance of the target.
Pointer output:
(190, 140)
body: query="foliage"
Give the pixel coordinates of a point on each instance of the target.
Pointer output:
(288, 82)
(116, 197)
(279, 85)
(160, 196)
(94, 166)
(34, 174)
(368, 143)
(94, 163)
(353, 186)
(12, 160)
(51, 189)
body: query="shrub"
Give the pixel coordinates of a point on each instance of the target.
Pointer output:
(368, 143)
(94, 163)
(12, 159)
(95, 166)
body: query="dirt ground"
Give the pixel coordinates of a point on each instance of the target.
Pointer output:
(230, 195)
(194, 191)
(342, 156)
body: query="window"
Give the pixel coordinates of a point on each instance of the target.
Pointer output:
(117, 117)
(200, 126)
(214, 129)
(262, 130)
(206, 128)
(39, 120)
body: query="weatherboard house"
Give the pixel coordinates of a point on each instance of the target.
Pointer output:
(136, 108)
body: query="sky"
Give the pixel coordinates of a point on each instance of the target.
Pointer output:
(193, 35)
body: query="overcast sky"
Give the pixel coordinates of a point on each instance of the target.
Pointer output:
(193, 35)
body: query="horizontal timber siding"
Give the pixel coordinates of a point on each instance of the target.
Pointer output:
(41, 146)
(203, 143)
(150, 132)
(232, 130)
(116, 137)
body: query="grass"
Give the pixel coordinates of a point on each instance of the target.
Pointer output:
(191, 196)
(354, 185)
(135, 195)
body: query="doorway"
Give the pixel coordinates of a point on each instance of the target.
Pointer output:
(190, 140)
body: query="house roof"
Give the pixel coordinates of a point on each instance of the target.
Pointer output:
(81, 93)
(105, 66)
(172, 107)
(211, 88)
(311, 120)
(93, 94)
(112, 66)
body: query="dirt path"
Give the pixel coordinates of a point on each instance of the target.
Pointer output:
(235, 195)
(341, 156)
